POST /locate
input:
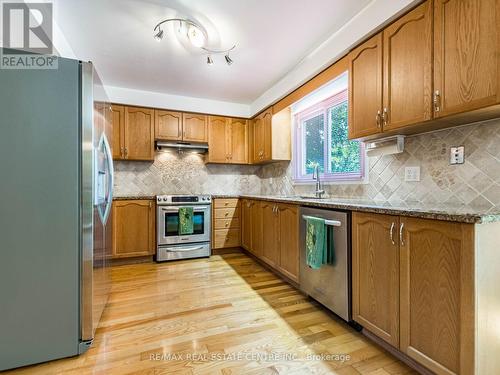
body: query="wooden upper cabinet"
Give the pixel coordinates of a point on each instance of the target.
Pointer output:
(270, 234)
(437, 294)
(375, 274)
(168, 125)
(365, 88)
(227, 140)
(217, 142)
(133, 228)
(258, 139)
(139, 133)
(289, 241)
(271, 136)
(267, 130)
(466, 55)
(118, 126)
(195, 128)
(407, 89)
(238, 141)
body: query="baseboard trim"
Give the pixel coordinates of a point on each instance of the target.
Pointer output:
(396, 353)
(229, 250)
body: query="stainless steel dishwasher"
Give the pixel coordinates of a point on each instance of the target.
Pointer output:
(331, 284)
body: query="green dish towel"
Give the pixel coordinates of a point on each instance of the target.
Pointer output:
(186, 225)
(319, 244)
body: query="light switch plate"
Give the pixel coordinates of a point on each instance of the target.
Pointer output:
(412, 174)
(457, 155)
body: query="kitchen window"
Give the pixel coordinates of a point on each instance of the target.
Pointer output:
(321, 140)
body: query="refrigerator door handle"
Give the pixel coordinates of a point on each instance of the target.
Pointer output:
(111, 179)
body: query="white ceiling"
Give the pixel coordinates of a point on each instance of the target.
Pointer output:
(272, 38)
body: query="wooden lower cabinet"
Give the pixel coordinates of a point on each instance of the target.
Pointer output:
(289, 241)
(257, 229)
(437, 296)
(270, 231)
(226, 223)
(375, 274)
(246, 224)
(133, 228)
(415, 289)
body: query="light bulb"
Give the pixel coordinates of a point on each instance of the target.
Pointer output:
(196, 36)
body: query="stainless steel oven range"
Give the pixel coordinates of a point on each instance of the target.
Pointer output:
(170, 244)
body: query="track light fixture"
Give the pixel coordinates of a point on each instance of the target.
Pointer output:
(159, 35)
(196, 35)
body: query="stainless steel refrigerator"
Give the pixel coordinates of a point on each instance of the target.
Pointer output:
(56, 181)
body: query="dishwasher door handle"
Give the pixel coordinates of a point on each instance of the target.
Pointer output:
(332, 223)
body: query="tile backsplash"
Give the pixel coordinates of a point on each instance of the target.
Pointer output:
(173, 173)
(475, 184)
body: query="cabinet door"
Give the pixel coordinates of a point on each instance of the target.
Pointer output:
(375, 274)
(270, 234)
(267, 131)
(133, 228)
(257, 240)
(139, 133)
(238, 144)
(289, 241)
(118, 126)
(246, 224)
(437, 296)
(195, 128)
(258, 140)
(408, 69)
(168, 125)
(466, 48)
(217, 140)
(365, 88)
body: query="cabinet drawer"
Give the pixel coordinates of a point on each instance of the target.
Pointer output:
(227, 213)
(226, 203)
(226, 238)
(233, 223)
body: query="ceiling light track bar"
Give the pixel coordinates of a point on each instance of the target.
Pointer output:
(185, 20)
(218, 51)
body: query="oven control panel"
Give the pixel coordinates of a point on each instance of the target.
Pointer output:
(183, 199)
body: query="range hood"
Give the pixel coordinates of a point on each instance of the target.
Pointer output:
(199, 148)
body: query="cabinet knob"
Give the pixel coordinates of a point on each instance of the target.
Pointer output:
(377, 118)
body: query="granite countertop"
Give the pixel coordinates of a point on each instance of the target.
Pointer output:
(461, 214)
(134, 197)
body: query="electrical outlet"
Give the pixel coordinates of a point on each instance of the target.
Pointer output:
(457, 155)
(412, 174)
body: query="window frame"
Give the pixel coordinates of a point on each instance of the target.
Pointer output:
(299, 148)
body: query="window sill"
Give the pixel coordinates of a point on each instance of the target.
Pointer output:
(362, 181)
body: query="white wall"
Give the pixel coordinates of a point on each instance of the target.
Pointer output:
(176, 102)
(376, 14)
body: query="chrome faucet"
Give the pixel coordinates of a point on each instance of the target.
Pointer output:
(319, 192)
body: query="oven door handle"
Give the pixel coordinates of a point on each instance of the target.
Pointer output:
(175, 249)
(195, 209)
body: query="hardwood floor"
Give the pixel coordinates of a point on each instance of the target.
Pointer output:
(201, 311)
